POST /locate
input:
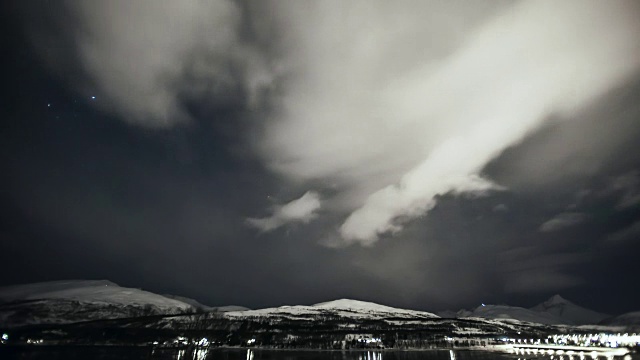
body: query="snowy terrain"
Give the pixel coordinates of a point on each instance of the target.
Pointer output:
(229, 308)
(64, 302)
(194, 303)
(80, 300)
(89, 291)
(204, 308)
(554, 311)
(101, 312)
(569, 312)
(503, 312)
(632, 318)
(342, 308)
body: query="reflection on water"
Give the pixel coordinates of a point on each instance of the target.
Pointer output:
(197, 354)
(371, 355)
(200, 354)
(257, 354)
(135, 353)
(273, 354)
(525, 354)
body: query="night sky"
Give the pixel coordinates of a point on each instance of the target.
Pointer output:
(422, 154)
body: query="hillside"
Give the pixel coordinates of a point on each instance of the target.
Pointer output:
(505, 312)
(631, 319)
(80, 300)
(340, 308)
(568, 312)
(554, 311)
(101, 312)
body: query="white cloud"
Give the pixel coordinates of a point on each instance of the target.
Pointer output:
(395, 102)
(302, 210)
(562, 221)
(400, 108)
(136, 56)
(413, 197)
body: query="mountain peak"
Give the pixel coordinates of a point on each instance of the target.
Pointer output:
(568, 311)
(557, 300)
(341, 303)
(68, 301)
(347, 308)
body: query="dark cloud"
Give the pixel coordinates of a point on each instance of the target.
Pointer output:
(563, 220)
(528, 271)
(628, 186)
(630, 233)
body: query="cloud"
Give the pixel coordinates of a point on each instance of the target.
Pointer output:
(500, 208)
(141, 59)
(563, 221)
(530, 272)
(413, 197)
(394, 103)
(540, 280)
(629, 185)
(398, 126)
(302, 210)
(631, 232)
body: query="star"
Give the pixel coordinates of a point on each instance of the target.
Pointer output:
(93, 98)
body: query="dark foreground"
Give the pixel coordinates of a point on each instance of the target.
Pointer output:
(134, 353)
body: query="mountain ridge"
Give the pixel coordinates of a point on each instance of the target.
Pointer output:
(554, 311)
(70, 301)
(569, 311)
(344, 308)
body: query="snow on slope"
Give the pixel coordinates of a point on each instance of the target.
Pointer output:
(228, 308)
(195, 303)
(628, 319)
(39, 290)
(448, 314)
(371, 308)
(69, 301)
(555, 311)
(344, 308)
(95, 291)
(504, 312)
(569, 312)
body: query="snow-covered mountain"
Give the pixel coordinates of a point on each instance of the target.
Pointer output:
(89, 291)
(450, 314)
(628, 319)
(195, 303)
(343, 308)
(205, 308)
(555, 311)
(228, 308)
(569, 312)
(63, 302)
(505, 312)
(80, 300)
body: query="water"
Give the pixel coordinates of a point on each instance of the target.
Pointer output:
(132, 353)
